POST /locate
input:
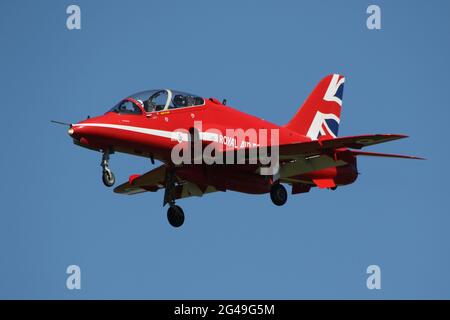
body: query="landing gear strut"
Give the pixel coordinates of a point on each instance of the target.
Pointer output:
(175, 214)
(278, 194)
(107, 175)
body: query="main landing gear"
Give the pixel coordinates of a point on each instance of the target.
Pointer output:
(278, 194)
(175, 214)
(107, 175)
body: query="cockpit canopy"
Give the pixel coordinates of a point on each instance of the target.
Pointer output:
(157, 100)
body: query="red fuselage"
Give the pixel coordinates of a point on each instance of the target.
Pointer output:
(148, 134)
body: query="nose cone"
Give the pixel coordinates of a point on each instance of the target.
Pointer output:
(78, 131)
(90, 133)
(80, 134)
(75, 131)
(83, 128)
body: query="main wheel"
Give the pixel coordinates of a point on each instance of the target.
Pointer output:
(108, 178)
(278, 194)
(175, 215)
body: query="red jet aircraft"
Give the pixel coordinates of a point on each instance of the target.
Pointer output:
(154, 123)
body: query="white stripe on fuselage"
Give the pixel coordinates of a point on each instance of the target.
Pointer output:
(173, 135)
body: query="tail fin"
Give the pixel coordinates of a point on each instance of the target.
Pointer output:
(320, 113)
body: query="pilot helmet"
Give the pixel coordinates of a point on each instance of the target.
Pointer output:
(179, 100)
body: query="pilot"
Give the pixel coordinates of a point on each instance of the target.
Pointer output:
(179, 101)
(148, 106)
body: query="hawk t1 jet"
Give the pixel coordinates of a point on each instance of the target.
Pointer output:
(206, 146)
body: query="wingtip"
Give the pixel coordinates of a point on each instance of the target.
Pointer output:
(399, 136)
(414, 158)
(387, 155)
(391, 135)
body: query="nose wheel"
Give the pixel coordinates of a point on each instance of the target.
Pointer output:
(108, 177)
(278, 194)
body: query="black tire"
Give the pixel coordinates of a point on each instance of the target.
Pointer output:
(108, 178)
(278, 194)
(175, 215)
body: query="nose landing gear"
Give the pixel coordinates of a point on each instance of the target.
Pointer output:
(107, 175)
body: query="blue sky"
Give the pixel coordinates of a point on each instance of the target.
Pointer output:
(264, 57)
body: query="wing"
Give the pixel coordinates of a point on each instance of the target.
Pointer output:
(307, 156)
(318, 146)
(150, 181)
(303, 157)
(155, 180)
